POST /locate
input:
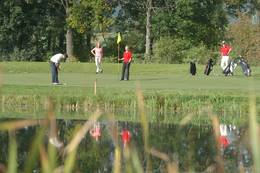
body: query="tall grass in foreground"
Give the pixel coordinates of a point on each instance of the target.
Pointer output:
(254, 132)
(126, 159)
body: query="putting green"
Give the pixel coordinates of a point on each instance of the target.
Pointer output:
(149, 77)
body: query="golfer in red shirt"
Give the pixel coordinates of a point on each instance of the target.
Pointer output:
(224, 51)
(127, 57)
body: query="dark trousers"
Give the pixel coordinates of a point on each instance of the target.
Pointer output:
(125, 71)
(54, 73)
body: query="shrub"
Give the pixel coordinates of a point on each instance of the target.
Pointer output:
(24, 55)
(169, 50)
(133, 39)
(109, 59)
(138, 58)
(245, 38)
(199, 53)
(4, 56)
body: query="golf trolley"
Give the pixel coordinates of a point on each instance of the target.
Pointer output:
(229, 70)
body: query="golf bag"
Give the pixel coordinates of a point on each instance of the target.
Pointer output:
(209, 67)
(229, 70)
(245, 66)
(193, 69)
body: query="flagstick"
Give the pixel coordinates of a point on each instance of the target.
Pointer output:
(95, 87)
(118, 52)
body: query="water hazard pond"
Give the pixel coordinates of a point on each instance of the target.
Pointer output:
(187, 148)
(178, 134)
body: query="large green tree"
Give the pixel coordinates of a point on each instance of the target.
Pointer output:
(200, 21)
(29, 30)
(244, 31)
(89, 17)
(34, 30)
(67, 5)
(84, 16)
(197, 21)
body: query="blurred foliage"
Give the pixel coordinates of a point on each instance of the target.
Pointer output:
(170, 50)
(200, 54)
(245, 38)
(35, 30)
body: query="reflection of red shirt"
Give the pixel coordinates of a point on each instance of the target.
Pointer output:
(126, 136)
(127, 56)
(224, 141)
(225, 50)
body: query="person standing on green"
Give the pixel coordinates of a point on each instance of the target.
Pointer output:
(98, 53)
(127, 57)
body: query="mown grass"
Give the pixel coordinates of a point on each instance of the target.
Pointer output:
(168, 90)
(110, 68)
(34, 78)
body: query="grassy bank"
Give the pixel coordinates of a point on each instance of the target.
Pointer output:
(160, 107)
(169, 90)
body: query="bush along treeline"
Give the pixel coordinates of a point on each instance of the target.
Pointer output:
(170, 31)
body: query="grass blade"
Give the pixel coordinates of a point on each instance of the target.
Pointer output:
(34, 153)
(70, 161)
(71, 148)
(19, 124)
(12, 159)
(145, 126)
(215, 124)
(81, 133)
(254, 132)
(117, 161)
(171, 167)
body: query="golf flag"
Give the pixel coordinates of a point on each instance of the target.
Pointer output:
(119, 38)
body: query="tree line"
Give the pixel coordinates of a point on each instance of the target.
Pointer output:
(164, 31)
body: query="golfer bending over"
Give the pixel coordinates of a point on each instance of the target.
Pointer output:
(55, 67)
(127, 57)
(98, 53)
(224, 51)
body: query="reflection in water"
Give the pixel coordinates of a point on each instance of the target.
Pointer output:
(126, 137)
(55, 142)
(95, 132)
(232, 150)
(192, 147)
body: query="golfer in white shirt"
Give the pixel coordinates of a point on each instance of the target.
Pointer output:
(55, 66)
